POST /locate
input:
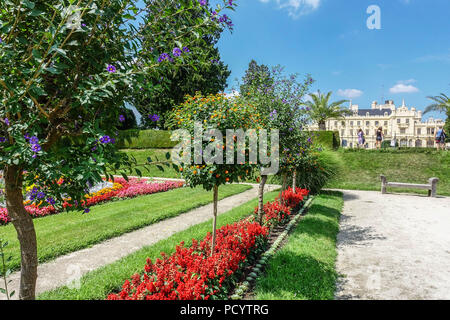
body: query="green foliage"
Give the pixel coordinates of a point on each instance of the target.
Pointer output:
(279, 98)
(316, 169)
(320, 110)
(145, 139)
(200, 68)
(256, 76)
(218, 113)
(326, 139)
(130, 119)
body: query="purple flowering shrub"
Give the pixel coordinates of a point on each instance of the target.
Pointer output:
(62, 92)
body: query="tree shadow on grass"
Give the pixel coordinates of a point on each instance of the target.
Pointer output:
(298, 277)
(320, 222)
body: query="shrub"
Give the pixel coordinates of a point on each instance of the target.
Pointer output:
(316, 170)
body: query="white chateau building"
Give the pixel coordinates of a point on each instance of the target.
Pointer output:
(403, 124)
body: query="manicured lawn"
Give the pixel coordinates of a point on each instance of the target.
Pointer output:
(304, 269)
(99, 283)
(361, 170)
(71, 231)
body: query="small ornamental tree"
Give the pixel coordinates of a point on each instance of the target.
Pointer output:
(211, 127)
(278, 98)
(66, 68)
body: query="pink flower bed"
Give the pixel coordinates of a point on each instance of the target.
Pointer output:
(133, 188)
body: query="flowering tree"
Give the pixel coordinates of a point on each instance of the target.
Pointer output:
(66, 68)
(279, 98)
(206, 121)
(185, 69)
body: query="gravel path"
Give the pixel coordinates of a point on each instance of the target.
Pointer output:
(394, 247)
(65, 270)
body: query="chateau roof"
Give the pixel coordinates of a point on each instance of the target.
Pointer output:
(374, 112)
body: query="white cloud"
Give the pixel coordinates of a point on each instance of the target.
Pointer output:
(350, 93)
(404, 86)
(296, 8)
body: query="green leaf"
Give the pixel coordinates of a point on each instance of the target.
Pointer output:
(124, 176)
(29, 4)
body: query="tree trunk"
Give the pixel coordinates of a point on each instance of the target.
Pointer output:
(215, 197)
(262, 183)
(283, 187)
(25, 231)
(294, 180)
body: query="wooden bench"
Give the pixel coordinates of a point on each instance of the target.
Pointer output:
(431, 186)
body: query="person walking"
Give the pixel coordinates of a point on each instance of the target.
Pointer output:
(440, 138)
(379, 137)
(361, 139)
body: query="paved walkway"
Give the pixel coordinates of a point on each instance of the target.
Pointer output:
(394, 247)
(65, 270)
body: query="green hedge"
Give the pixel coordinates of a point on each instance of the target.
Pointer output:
(145, 139)
(328, 139)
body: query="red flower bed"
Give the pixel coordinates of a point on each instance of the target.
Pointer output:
(132, 188)
(278, 212)
(192, 273)
(292, 199)
(275, 213)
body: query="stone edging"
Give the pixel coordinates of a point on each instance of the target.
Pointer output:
(240, 291)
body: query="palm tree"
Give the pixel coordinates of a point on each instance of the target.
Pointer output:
(320, 110)
(441, 104)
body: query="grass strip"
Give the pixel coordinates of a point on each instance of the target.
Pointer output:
(304, 269)
(67, 232)
(98, 284)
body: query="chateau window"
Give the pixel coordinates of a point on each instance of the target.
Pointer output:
(351, 123)
(367, 132)
(336, 124)
(385, 132)
(343, 123)
(351, 133)
(377, 123)
(428, 131)
(359, 123)
(399, 121)
(385, 123)
(407, 120)
(402, 131)
(342, 132)
(419, 131)
(367, 123)
(367, 114)
(432, 130)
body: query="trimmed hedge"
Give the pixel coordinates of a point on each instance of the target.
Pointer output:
(328, 139)
(145, 139)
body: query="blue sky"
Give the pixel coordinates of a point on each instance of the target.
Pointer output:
(408, 58)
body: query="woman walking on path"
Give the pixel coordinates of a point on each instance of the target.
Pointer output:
(379, 135)
(440, 137)
(361, 139)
